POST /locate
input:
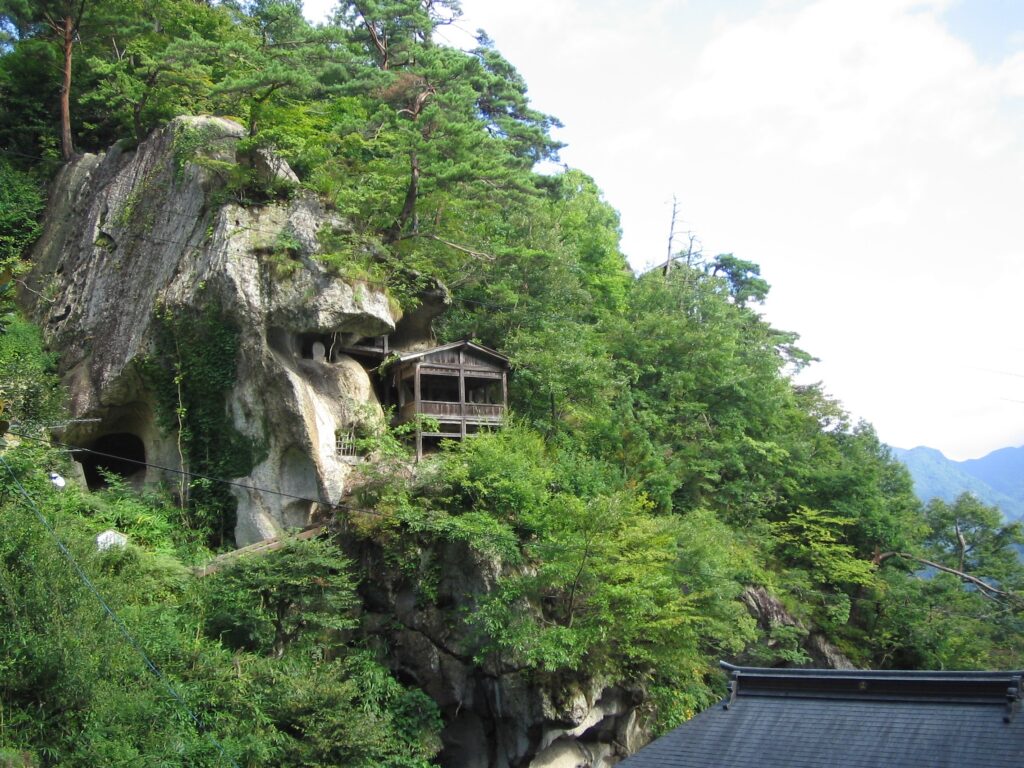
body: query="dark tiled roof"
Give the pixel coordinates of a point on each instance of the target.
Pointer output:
(851, 719)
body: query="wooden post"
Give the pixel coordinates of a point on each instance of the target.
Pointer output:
(462, 393)
(417, 410)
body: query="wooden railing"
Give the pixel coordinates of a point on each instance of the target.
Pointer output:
(376, 344)
(476, 412)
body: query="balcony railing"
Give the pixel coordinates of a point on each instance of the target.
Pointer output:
(483, 413)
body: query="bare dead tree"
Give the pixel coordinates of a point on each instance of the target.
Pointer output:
(671, 233)
(692, 250)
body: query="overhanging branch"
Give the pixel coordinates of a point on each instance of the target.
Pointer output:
(461, 248)
(987, 589)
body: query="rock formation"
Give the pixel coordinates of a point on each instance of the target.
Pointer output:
(129, 233)
(771, 614)
(496, 715)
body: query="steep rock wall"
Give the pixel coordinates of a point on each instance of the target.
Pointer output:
(131, 232)
(496, 715)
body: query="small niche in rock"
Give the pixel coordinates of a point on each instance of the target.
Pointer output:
(322, 347)
(122, 454)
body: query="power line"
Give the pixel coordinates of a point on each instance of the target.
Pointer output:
(15, 153)
(78, 449)
(993, 370)
(118, 623)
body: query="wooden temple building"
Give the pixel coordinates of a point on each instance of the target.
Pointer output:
(462, 385)
(850, 718)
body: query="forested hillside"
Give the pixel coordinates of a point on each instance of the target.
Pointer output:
(659, 478)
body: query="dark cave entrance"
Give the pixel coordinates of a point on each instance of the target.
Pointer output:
(122, 454)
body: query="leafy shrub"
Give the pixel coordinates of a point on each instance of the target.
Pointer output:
(28, 385)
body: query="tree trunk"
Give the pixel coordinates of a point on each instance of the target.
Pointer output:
(137, 120)
(68, 41)
(411, 194)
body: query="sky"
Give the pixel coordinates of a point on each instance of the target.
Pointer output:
(868, 154)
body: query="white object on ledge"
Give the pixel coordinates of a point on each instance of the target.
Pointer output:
(111, 538)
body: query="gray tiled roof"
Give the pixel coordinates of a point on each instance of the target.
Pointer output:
(453, 345)
(851, 719)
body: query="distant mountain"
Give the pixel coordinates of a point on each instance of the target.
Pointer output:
(1003, 470)
(996, 479)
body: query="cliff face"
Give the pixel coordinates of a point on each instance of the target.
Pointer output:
(131, 234)
(496, 715)
(137, 240)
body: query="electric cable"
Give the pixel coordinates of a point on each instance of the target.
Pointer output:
(16, 153)
(78, 449)
(112, 614)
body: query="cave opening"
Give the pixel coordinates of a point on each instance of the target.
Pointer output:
(122, 454)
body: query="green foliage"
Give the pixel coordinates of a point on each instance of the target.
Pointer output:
(192, 370)
(67, 666)
(929, 621)
(743, 278)
(75, 692)
(28, 385)
(658, 460)
(813, 539)
(970, 536)
(30, 92)
(920, 617)
(21, 202)
(150, 519)
(706, 383)
(593, 580)
(355, 257)
(190, 143)
(265, 604)
(151, 73)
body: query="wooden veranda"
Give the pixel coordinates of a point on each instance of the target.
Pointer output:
(464, 386)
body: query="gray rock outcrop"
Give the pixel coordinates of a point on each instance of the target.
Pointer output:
(771, 614)
(133, 231)
(496, 715)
